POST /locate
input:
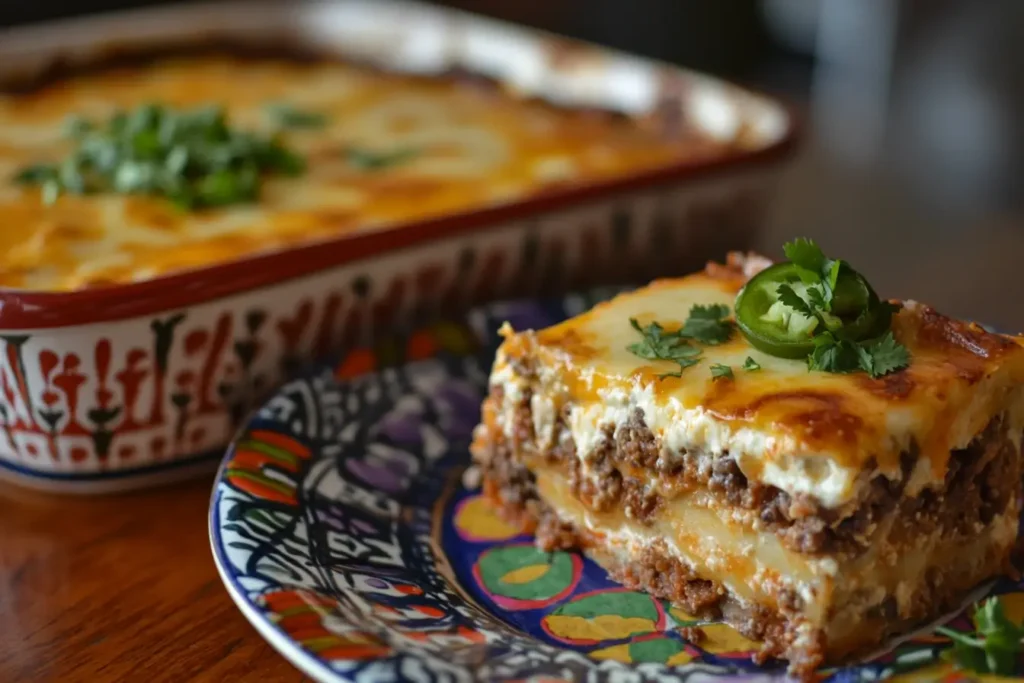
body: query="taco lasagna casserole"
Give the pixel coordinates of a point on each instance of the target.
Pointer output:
(818, 512)
(122, 173)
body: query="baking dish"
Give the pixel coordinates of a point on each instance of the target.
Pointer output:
(135, 383)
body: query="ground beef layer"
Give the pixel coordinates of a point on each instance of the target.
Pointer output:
(980, 480)
(512, 487)
(655, 570)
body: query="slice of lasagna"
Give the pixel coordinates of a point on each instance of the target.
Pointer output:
(816, 507)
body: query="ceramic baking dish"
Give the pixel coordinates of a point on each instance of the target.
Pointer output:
(119, 386)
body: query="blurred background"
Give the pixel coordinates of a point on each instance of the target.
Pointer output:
(912, 168)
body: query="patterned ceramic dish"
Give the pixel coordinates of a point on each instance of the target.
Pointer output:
(342, 530)
(116, 386)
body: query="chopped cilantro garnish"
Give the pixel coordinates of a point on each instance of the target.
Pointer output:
(288, 116)
(705, 324)
(996, 650)
(708, 324)
(816, 269)
(807, 254)
(877, 357)
(883, 355)
(193, 158)
(834, 355)
(658, 344)
(719, 371)
(750, 365)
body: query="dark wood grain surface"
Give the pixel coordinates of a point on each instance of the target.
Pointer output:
(120, 588)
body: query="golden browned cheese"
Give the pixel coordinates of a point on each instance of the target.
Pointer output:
(803, 431)
(475, 147)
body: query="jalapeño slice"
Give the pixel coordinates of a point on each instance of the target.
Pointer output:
(781, 331)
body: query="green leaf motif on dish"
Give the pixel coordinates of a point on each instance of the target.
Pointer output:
(626, 604)
(654, 650)
(526, 573)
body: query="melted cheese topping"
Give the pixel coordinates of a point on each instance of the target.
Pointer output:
(813, 433)
(475, 147)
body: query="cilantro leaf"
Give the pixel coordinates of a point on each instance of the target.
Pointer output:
(998, 648)
(991, 618)
(886, 355)
(825, 356)
(708, 324)
(816, 269)
(657, 344)
(789, 297)
(830, 278)
(805, 253)
(815, 306)
(288, 116)
(750, 365)
(967, 653)
(719, 371)
(711, 311)
(818, 298)
(834, 355)
(864, 360)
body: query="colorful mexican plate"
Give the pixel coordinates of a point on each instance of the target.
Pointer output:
(342, 530)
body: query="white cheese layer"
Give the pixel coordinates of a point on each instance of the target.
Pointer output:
(780, 460)
(807, 433)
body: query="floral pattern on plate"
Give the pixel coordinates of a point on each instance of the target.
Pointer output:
(342, 531)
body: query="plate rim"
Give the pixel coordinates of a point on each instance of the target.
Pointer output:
(271, 633)
(305, 661)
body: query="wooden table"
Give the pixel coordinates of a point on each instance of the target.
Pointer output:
(120, 588)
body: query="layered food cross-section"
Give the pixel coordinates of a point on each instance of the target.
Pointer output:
(819, 513)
